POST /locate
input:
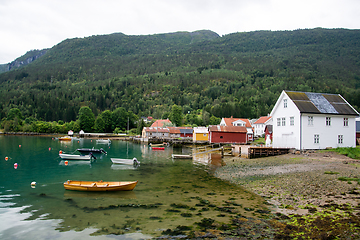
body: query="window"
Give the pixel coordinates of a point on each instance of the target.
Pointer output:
(340, 139)
(316, 138)
(283, 121)
(278, 121)
(328, 121)
(221, 137)
(291, 121)
(204, 134)
(346, 122)
(310, 120)
(285, 103)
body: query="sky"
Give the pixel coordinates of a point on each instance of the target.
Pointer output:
(37, 24)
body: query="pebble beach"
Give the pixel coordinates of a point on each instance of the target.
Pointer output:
(302, 185)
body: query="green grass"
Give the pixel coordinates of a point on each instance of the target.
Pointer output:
(350, 152)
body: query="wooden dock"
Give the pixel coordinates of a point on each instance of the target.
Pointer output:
(255, 152)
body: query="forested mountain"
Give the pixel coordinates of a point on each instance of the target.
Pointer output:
(240, 74)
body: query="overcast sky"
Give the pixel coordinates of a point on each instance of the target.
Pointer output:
(38, 24)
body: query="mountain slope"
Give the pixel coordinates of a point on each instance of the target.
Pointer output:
(240, 74)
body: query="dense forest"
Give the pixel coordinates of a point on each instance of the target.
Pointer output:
(208, 76)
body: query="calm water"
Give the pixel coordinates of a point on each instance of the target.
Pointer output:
(169, 193)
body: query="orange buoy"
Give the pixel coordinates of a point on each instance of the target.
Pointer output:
(15, 165)
(60, 151)
(6, 158)
(66, 163)
(49, 149)
(19, 145)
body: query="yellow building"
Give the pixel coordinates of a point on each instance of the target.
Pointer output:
(201, 134)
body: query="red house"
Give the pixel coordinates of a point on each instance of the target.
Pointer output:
(227, 134)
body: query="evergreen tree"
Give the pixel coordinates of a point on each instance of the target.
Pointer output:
(87, 119)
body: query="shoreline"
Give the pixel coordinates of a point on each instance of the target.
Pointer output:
(297, 183)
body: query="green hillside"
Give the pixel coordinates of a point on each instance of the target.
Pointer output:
(240, 74)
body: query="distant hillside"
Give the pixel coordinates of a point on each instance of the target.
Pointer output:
(22, 61)
(240, 74)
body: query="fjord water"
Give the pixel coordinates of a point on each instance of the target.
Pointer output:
(169, 193)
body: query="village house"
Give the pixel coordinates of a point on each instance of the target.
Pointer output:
(227, 134)
(200, 134)
(239, 122)
(180, 132)
(161, 123)
(304, 120)
(150, 132)
(259, 125)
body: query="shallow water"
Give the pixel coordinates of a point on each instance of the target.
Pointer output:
(169, 193)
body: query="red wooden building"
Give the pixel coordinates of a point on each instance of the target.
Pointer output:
(227, 134)
(268, 131)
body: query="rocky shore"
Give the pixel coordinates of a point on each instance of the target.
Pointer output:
(303, 188)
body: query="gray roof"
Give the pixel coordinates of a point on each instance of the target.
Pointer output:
(186, 130)
(321, 103)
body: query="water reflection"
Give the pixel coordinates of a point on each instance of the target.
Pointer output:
(169, 193)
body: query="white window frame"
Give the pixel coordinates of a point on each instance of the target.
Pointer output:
(278, 121)
(285, 103)
(283, 121)
(328, 121)
(340, 139)
(292, 121)
(316, 138)
(310, 120)
(346, 122)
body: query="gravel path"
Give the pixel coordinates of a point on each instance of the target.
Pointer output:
(297, 184)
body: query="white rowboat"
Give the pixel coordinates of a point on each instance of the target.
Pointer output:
(76, 157)
(133, 161)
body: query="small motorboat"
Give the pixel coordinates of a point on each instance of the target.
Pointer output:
(99, 186)
(158, 148)
(103, 141)
(91, 150)
(76, 157)
(133, 161)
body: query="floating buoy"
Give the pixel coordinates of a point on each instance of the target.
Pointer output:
(15, 165)
(6, 158)
(19, 145)
(60, 151)
(33, 183)
(66, 163)
(49, 149)
(78, 141)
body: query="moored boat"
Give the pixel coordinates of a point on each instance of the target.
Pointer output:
(76, 157)
(99, 186)
(103, 141)
(133, 161)
(91, 150)
(65, 138)
(158, 148)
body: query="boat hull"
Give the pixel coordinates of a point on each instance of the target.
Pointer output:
(158, 148)
(99, 186)
(124, 161)
(75, 157)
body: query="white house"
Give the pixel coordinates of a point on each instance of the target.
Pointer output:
(304, 120)
(260, 124)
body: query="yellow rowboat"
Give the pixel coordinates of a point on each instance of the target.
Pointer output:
(65, 138)
(99, 186)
